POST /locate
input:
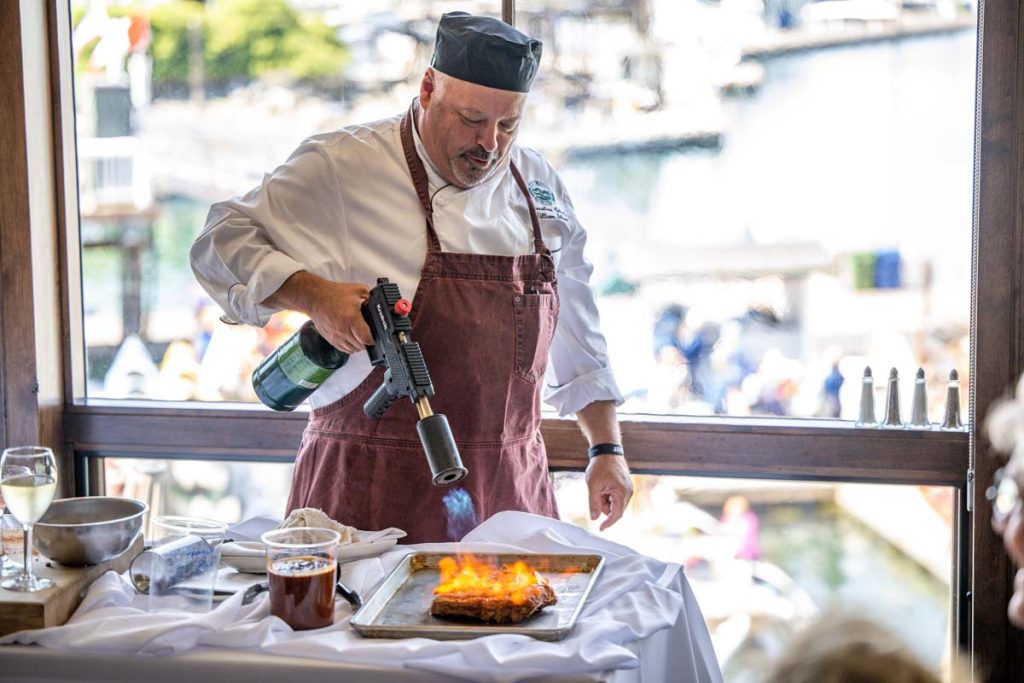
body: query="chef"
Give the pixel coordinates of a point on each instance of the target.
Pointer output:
(442, 201)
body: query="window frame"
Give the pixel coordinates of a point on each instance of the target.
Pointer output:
(20, 407)
(736, 447)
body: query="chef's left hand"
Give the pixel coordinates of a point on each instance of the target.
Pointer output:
(610, 488)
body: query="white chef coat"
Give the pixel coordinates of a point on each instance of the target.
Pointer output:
(343, 207)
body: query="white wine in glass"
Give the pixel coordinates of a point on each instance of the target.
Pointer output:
(28, 481)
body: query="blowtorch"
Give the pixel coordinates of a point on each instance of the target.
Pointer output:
(298, 367)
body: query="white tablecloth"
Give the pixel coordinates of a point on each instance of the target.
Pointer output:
(640, 623)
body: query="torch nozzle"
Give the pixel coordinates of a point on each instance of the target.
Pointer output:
(423, 407)
(439, 446)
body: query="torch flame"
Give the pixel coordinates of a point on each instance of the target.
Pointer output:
(470, 577)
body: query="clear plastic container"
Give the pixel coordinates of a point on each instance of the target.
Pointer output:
(302, 573)
(179, 571)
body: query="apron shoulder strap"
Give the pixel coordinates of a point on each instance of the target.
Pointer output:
(538, 241)
(419, 178)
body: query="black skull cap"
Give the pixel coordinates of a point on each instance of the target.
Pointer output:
(485, 51)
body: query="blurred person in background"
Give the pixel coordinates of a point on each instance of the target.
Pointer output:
(831, 406)
(697, 350)
(206, 318)
(178, 378)
(668, 335)
(669, 387)
(742, 525)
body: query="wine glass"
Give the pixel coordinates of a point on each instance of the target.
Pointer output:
(28, 481)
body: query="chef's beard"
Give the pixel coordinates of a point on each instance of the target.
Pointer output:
(467, 173)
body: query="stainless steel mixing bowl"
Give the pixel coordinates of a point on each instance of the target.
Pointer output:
(80, 531)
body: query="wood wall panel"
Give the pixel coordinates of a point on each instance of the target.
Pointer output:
(19, 409)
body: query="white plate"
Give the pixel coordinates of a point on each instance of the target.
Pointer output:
(254, 561)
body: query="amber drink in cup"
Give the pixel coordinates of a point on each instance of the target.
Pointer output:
(302, 572)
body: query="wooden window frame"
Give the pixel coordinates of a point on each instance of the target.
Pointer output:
(763, 448)
(19, 406)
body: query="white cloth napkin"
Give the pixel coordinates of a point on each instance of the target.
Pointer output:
(245, 534)
(632, 599)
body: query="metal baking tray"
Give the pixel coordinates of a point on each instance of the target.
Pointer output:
(400, 608)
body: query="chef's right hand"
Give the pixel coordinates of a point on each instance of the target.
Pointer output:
(338, 317)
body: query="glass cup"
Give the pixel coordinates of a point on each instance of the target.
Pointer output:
(302, 572)
(28, 482)
(178, 571)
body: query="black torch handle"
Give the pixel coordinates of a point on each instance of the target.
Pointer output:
(379, 402)
(442, 453)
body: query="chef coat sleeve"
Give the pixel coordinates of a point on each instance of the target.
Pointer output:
(253, 243)
(578, 369)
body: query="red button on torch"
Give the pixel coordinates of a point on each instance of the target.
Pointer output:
(403, 306)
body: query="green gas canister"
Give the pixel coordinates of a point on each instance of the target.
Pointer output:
(296, 369)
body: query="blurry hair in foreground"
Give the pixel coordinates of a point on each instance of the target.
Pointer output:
(843, 648)
(1005, 428)
(1005, 421)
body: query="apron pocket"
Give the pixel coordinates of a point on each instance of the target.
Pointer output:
(534, 318)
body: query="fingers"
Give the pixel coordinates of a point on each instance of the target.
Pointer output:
(352, 338)
(615, 507)
(349, 347)
(610, 489)
(361, 333)
(338, 316)
(595, 493)
(348, 342)
(627, 491)
(358, 334)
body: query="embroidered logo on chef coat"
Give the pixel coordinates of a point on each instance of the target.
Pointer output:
(544, 200)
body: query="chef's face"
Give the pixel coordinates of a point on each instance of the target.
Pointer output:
(467, 128)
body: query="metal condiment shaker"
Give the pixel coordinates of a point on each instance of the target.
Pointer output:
(867, 401)
(893, 420)
(919, 410)
(952, 415)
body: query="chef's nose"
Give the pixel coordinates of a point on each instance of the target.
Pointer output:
(488, 137)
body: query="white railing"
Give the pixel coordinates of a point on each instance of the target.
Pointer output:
(113, 173)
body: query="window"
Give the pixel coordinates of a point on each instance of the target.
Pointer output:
(225, 491)
(764, 222)
(752, 279)
(174, 112)
(765, 557)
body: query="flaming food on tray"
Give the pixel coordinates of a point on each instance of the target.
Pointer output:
(477, 590)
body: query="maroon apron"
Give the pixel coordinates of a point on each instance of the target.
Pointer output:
(485, 324)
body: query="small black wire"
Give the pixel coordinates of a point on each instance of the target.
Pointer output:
(435, 194)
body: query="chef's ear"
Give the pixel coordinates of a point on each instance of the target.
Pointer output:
(427, 87)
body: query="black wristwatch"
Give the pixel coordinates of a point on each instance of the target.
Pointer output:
(605, 449)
